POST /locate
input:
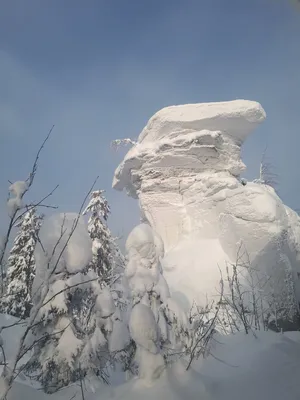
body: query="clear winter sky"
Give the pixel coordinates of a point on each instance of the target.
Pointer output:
(99, 69)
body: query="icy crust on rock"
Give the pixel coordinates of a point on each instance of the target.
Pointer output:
(185, 170)
(189, 138)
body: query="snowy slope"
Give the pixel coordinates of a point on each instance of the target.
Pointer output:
(185, 172)
(240, 367)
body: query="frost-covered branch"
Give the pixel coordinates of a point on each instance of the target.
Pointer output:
(203, 328)
(267, 176)
(31, 177)
(251, 301)
(118, 143)
(38, 204)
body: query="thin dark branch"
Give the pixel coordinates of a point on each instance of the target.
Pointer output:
(34, 167)
(19, 322)
(46, 336)
(38, 204)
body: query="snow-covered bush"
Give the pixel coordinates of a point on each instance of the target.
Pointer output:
(21, 267)
(157, 324)
(246, 305)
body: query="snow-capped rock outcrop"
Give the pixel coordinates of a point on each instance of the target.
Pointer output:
(185, 171)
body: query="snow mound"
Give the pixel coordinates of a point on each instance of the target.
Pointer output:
(185, 171)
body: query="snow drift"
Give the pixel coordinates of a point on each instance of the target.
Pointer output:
(266, 367)
(185, 171)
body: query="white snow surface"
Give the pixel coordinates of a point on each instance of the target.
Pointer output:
(185, 172)
(241, 366)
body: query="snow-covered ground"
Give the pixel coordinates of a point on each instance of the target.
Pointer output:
(241, 367)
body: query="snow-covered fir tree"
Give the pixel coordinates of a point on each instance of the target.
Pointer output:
(107, 261)
(66, 348)
(21, 267)
(102, 260)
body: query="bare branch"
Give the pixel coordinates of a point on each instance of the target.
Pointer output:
(38, 204)
(19, 322)
(30, 179)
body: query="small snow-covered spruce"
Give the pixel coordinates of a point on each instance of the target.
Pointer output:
(267, 176)
(102, 241)
(21, 267)
(107, 261)
(64, 350)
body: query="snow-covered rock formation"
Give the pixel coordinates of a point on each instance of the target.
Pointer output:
(185, 172)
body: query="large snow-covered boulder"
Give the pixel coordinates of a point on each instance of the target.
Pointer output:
(185, 172)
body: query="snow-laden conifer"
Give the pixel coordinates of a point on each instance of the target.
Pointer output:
(21, 267)
(67, 347)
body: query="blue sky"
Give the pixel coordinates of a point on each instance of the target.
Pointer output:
(99, 69)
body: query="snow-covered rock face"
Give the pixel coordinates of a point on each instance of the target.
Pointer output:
(183, 156)
(185, 171)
